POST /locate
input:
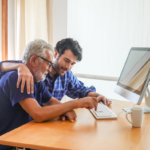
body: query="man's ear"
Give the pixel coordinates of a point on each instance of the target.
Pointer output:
(56, 54)
(33, 61)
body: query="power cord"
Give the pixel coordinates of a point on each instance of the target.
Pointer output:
(124, 111)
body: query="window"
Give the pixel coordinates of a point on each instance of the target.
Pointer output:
(106, 30)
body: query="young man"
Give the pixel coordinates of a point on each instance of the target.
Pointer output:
(18, 108)
(60, 81)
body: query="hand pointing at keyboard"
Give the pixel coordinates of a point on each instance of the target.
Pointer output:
(104, 100)
(100, 98)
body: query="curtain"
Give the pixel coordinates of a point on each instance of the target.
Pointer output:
(106, 30)
(0, 30)
(32, 20)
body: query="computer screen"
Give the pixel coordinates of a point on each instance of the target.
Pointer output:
(135, 75)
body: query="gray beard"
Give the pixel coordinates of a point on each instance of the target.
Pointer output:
(38, 75)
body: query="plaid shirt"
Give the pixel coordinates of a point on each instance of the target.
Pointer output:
(68, 84)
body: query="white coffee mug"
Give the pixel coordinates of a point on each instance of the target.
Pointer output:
(136, 116)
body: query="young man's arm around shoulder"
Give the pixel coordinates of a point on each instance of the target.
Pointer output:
(24, 74)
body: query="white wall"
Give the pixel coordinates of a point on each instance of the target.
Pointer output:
(59, 20)
(60, 30)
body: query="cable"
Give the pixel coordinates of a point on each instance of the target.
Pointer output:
(124, 111)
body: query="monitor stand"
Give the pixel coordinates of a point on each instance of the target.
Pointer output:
(147, 102)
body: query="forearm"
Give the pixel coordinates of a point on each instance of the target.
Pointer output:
(93, 94)
(8, 66)
(53, 101)
(40, 114)
(53, 111)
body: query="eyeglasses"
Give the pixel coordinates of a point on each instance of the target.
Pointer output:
(46, 60)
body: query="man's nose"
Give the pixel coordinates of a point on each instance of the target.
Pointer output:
(68, 66)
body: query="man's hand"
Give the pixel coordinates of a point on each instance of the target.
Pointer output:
(88, 102)
(25, 77)
(104, 100)
(99, 98)
(71, 115)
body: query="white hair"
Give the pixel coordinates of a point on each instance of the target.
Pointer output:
(36, 47)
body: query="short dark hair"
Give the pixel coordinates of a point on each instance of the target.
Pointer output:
(70, 44)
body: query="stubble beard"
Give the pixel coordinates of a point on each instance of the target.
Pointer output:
(57, 69)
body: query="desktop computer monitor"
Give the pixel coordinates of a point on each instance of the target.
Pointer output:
(134, 78)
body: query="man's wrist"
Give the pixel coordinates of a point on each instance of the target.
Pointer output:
(18, 66)
(76, 104)
(93, 94)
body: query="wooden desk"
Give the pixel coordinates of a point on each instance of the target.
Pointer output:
(85, 133)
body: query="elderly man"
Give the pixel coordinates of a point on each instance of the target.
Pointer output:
(18, 108)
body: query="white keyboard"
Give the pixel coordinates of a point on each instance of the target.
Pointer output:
(103, 112)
